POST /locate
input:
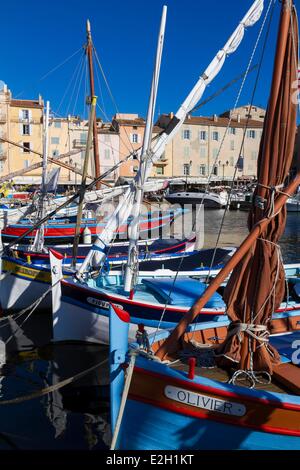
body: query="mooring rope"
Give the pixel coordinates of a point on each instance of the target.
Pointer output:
(52, 388)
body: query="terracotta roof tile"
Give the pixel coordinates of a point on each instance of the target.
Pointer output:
(26, 104)
(223, 122)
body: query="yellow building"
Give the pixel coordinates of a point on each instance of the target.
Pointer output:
(201, 147)
(21, 122)
(69, 135)
(131, 128)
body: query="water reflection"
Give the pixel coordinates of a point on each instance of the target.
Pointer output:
(77, 416)
(73, 417)
(235, 230)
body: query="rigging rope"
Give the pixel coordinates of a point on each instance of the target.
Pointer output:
(52, 70)
(216, 159)
(71, 81)
(52, 388)
(110, 93)
(248, 119)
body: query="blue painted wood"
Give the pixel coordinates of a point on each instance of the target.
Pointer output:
(118, 346)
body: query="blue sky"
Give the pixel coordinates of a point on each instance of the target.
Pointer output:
(37, 36)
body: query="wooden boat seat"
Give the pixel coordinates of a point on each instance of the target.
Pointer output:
(288, 375)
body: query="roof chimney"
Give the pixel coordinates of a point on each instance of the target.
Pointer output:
(238, 118)
(171, 115)
(215, 118)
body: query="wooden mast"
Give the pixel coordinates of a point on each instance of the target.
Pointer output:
(170, 345)
(89, 52)
(83, 182)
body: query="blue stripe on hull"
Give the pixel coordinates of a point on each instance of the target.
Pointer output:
(160, 429)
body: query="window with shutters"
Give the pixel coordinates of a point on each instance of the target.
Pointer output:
(215, 136)
(25, 114)
(232, 145)
(203, 135)
(55, 140)
(232, 130)
(202, 152)
(134, 138)
(186, 151)
(26, 147)
(251, 134)
(202, 170)
(186, 169)
(215, 153)
(83, 138)
(160, 170)
(26, 163)
(25, 129)
(186, 134)
(57, 124)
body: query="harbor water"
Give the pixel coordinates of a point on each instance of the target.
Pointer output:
(77, 415)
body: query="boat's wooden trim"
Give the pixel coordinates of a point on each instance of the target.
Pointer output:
(262, 414)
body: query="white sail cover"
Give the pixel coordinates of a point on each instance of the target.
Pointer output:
(125, 205)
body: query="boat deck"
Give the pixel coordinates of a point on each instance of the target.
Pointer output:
(206, 367)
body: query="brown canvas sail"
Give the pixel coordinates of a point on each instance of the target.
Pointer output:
(257, 266)
(257, 284)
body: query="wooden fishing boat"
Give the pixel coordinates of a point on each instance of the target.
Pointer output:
(81, 305)
(188, 403)
(219, 385)
(61, 231)
(82, 312)
(26, 276)
(118, 251)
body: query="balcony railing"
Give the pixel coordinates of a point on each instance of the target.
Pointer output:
(163, 161)
(27, 121)
(78, 143)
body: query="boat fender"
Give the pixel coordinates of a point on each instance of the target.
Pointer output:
(142, 338)
(87, 236)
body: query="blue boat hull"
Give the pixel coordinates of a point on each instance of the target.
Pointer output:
(165, 430)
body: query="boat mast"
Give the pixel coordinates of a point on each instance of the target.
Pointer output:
(131, 267)
(38, 243)
(265, 183)
(120, 215)
(89, 52)
(84, 178)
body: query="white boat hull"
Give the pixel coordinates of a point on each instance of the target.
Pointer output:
(75, 323)
(17, 293)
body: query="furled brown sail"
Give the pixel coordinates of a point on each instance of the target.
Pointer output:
(274, 162)
(257, 285)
